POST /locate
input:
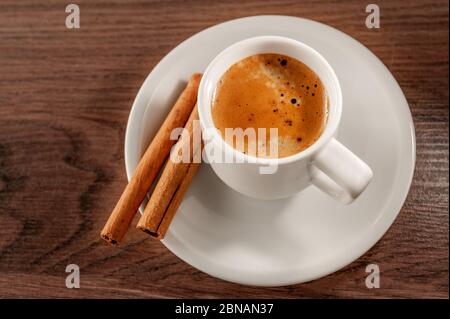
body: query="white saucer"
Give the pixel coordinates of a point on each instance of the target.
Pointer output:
(273, 243)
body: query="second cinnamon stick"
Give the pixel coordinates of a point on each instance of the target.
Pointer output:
(172, 185)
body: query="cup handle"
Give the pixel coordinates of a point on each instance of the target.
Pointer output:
(338, 172)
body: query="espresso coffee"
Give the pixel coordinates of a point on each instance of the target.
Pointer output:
(271, 91)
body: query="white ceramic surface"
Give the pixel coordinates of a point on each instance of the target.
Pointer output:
(309, 235)
(327, 163)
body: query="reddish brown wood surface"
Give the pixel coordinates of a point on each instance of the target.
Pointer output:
(65, 96)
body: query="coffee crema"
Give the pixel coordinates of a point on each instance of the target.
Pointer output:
(271, 91)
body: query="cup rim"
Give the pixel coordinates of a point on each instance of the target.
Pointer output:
(204, 107)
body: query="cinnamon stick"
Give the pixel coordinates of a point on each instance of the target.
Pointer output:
(150, 165)
(160, 232)
(171, 187)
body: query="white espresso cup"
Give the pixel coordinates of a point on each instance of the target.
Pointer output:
(327, 164)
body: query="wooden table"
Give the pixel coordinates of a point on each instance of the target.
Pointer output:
(65, 96)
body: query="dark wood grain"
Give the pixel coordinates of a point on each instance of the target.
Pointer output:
(65, 96)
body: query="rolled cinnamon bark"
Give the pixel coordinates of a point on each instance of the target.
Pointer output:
(177, 198)
(150, 165)
(172, 185)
